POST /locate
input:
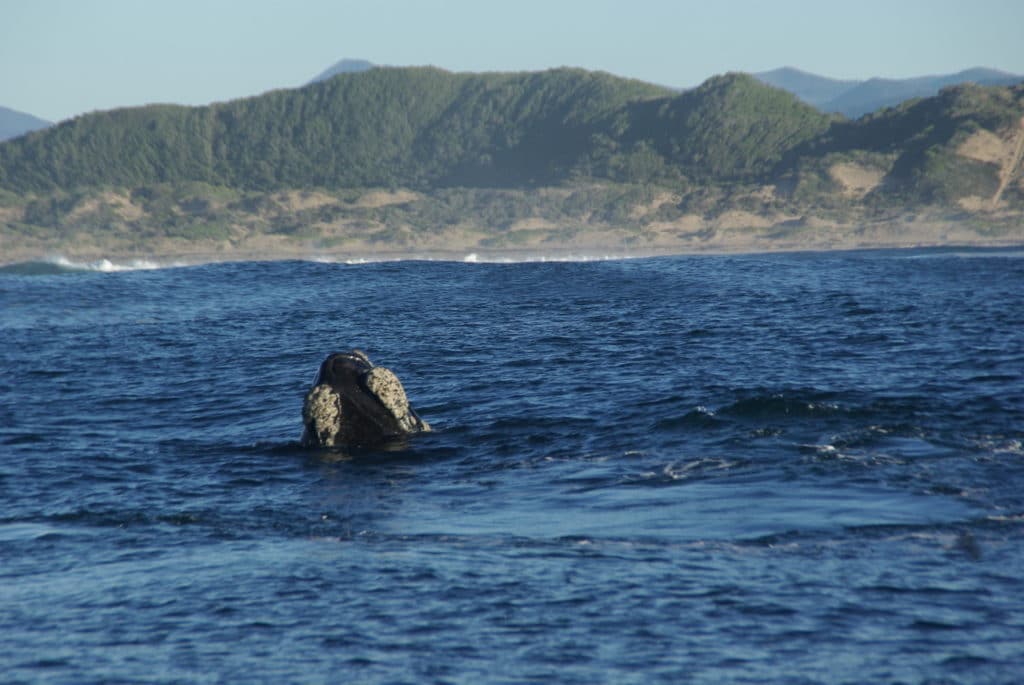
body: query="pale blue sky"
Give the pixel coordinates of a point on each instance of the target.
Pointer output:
(59, 58)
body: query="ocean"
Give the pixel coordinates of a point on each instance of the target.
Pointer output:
(790, 468)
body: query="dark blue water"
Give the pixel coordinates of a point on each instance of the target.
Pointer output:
(791, 468)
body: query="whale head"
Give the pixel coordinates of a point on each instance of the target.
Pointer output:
(354, 402)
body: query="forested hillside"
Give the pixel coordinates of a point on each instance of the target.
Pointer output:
(410, 127)
(422, 127)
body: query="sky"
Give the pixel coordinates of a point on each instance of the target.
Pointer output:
(61, 58)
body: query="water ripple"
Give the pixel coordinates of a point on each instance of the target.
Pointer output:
(751, 468)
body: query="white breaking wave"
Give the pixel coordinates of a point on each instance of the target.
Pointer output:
(107, 266)
(476, 258)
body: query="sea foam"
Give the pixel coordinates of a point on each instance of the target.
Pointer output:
(108, 266)
(475, 258)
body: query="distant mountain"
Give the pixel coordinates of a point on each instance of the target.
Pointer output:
(345, 66)
(873, 94)
(856, 98)
(14, 123)
(811, 88)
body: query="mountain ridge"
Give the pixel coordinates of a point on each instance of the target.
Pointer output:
(419, 126)
(343, 66)
(423, 127)
(813, 89)
(14, 123)
(855, 98)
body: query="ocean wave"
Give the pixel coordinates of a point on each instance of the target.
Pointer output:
(59, 264)
(56, 265)
(1011, 252)
(475, 258)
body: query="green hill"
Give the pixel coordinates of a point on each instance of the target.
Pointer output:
(934, 150)
(732, 127)
(423, 127)
(386, 126)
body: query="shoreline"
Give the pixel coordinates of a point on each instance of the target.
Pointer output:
(471, 242)
(500, 225)
(127, 259)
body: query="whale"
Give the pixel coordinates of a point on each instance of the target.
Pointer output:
(355, 403)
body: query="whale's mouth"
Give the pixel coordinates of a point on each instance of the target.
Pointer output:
(370, 402)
